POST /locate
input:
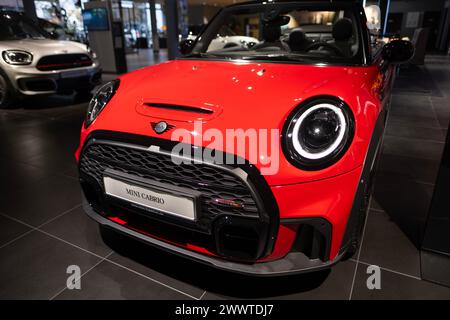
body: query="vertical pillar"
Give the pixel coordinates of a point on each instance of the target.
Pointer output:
(155, 37)
(385, 7)
(119, 3)
(30, 9)
(172, 28)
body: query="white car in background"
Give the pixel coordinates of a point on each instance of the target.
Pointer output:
(33, 64)
(224, 42)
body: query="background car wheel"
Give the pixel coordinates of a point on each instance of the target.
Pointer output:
(6, 97)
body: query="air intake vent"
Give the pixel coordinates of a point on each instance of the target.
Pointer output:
(179, 108)
(313, 238)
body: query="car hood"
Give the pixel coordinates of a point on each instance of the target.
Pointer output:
(238, 95)
(44, 46)
(241, 95)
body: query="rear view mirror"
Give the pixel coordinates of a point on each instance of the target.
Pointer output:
(398, 51)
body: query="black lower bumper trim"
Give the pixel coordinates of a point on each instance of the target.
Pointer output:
(293, 263)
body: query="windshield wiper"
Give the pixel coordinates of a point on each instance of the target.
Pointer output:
(266, 57)
(277, 57)
(206, 55)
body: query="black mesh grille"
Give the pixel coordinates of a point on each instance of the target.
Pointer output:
(37, 84)
(213, 182)
(63, 61)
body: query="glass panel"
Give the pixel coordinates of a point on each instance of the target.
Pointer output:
(285, 31)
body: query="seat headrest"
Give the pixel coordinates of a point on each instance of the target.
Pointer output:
(271, 33)
(343, 29)
(297, 36)
(272, 27)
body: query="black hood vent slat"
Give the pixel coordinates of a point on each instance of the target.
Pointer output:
(179, 108)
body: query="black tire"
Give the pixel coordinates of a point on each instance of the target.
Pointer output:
(6, 92)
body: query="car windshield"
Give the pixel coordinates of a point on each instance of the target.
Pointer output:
(16, 27)
(282, 32)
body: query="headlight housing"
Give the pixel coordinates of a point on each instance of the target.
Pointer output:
(100, 100)
(318, 133)
(92, 53)
(17, 57)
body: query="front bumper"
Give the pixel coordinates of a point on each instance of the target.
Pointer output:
(292, 263)
(29, 81)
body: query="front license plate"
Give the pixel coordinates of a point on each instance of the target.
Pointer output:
(73, 74)
(182, 207)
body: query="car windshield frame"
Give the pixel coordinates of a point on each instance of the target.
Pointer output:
(15, 18)
(361, 58)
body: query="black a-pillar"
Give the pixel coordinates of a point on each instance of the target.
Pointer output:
(30, 9)
(172, 28)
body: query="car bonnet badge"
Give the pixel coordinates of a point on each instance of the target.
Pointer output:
(161, 127)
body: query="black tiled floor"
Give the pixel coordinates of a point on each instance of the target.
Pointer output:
(144, 57)
(77, 228)
(109, 281)
(10, 230)
(422, 170)
(415, 148)
(15, 175)
(415, 132)
(397, 287)
(36, 203)
(385, 245)
(405, 201)
(173, 271)
(34, 267)
(39, 188)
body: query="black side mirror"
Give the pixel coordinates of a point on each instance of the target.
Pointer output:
(398, 51)
(186, 46)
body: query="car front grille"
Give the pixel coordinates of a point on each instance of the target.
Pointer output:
(63, 61)
(245, 232)
(211, 181)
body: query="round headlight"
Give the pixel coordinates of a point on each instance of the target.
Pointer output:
(318, 133)
(17, 57)
(100, 100)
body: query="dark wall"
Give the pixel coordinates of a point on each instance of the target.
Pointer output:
(420, 6)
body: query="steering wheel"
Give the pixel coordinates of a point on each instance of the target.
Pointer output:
(317, 45)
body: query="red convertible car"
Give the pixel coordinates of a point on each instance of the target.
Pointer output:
(311, 97)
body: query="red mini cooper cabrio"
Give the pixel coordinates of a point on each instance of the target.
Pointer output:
(255, 156)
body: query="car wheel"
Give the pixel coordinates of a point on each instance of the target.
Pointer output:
(6, 97)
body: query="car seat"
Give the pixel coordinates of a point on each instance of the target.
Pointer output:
(271, 35)
(298, 41)
(342, 34)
